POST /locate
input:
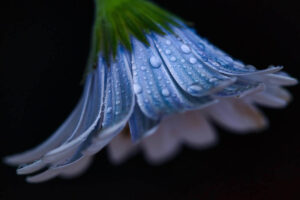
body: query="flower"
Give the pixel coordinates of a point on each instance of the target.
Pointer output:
(152, 83)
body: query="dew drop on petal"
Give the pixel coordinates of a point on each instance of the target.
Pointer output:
(194, 88)
(185, 48)
(155, 62)
(173, 58)
(137, 88)
(165, 92)
(193, 60)
(108, 109)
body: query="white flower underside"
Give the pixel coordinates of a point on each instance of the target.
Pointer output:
(167, 93)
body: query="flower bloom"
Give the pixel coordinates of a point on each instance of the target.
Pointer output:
(157, 97)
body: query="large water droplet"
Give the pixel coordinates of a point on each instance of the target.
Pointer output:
(185, 48)
(137, 88)
(165, 92)
(193, 60)
(194, 88)
(155, 62)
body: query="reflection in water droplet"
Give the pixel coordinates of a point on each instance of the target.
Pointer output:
(155, 62)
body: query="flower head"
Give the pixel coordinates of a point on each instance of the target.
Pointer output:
(152, 83)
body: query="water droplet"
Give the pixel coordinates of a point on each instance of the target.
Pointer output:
(155, 62)
(185, 48)
(137, 88)
(182, 60)
(194, 88)
(108, 109)
(143, 68)
(165, 92)
(117, 112)
(173, 58)
(168, 52)
(168, 42)
(118, 102)
(193, 60)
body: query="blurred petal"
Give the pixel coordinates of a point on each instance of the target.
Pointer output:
(237, 115)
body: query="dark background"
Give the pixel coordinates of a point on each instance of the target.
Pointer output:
(43, 50)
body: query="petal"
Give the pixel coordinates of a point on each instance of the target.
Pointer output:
(241, 88)
(57, 138)
(157, 93)
(190, 73)
(237, 115)
(140, 125)
(193, 129)
(273, 96)
(121, 147)
(119, 103)
(87, 124)
(217, 59)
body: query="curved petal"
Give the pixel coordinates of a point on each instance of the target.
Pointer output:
(241, 88)
(217, 59)
(156, 91)
(121, 147)
(190, 73)
(237, 115)
(87, 124)
(119, 103)
(140, 125)
(61, 135)
(273, 96)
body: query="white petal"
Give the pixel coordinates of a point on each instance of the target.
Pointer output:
(194, 129)
(189, 127)
(78, 169)
(237, 115)
(120, 148)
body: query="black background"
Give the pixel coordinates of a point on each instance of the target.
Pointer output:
(43, 50)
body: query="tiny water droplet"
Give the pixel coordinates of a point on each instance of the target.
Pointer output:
(193, 60)
(173, 58)
(165, 92)
(143, 68)
(137, 88)
(168, 42)
(168, 52)
(155, 62)
(108, 109)
(185, 48)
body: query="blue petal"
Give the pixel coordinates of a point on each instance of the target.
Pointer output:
(156, 91)
(68, 151)
(190, 73)
(119, 102)
(140, 125)
(241, 88)
(215, 58)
